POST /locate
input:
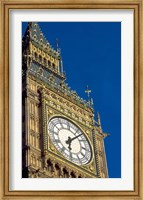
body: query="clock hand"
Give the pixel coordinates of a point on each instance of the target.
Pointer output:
(70, 140)
(75, 137)
(69, 143)
(70, 146)
(70, 156)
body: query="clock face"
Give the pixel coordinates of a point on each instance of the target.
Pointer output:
(69, 140)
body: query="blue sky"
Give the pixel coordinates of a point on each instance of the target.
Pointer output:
(91, 53)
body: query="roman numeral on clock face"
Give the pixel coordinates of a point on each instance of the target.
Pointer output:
(63, 149)
(82, 154)
(79, 159)
(56, 140)
(68, 125)
(53, 132)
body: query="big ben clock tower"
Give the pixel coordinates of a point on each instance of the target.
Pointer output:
(60, 137)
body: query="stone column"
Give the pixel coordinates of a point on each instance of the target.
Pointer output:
(27, 123)
(43, 120)
(96, 154)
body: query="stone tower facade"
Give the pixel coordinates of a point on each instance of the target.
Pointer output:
(60, 137)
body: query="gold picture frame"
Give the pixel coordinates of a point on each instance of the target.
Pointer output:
(6, 6)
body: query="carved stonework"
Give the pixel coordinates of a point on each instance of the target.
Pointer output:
(47, 96)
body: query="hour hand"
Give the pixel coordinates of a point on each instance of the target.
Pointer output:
(69, 143)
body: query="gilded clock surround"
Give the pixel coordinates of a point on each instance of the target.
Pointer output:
(46, 95)
(70, 140)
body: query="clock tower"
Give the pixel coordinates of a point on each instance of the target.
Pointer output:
(60, 136)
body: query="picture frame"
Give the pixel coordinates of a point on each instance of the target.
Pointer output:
(6, 6)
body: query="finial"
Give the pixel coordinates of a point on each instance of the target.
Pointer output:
(57, 46)
(91, 101)
(62, 66)
(98, 117)
(88, 91)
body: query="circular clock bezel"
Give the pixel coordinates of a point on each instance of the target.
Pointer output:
(87, 141)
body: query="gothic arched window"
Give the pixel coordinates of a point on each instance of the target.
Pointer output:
(73, 175)
(57, 170)
(45, 61)
(40, 58)
(54, 67)
(49, 63)
(50, 165)
(36, 55)
(65, 173)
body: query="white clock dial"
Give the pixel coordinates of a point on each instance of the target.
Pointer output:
(69, 140)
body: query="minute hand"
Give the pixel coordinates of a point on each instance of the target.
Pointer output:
(75, 137)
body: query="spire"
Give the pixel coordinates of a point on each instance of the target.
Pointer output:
(37, 35)
(99, 125)
(91, 101)
(99, 121)
(59, 51)
(62, 71)
(57, 45)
